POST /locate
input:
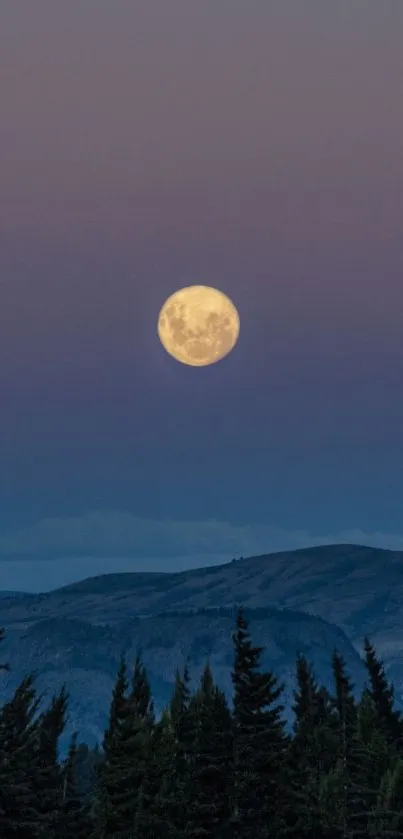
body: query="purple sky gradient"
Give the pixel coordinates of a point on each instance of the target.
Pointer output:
(252, 146)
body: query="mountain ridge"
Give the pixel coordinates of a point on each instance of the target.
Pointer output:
(320, 598)
(151, 575)
(86, 656)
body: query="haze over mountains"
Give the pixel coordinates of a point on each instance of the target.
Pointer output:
(310, 600)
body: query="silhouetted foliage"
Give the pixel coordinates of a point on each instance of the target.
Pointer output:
(203, 770)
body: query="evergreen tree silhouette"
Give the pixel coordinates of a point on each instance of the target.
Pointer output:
(373, 757)
(134, 747)
(127, 749)
(46, 769)
(209, 809)
(382, 695)
(176, 788)
(260, 743)
(309, 752)
(74, 818)
(152, 811)
(205, 771)
(107, 814)
(19, 807)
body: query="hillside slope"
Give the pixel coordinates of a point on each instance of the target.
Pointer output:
(358, 590)
(86, 656)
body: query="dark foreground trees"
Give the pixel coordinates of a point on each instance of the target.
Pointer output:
(205, 769)
(260, 743)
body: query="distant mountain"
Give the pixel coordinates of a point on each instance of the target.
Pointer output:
(77, 632)
(86, 656)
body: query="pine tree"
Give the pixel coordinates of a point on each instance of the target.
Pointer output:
(151, 819)
(127, 746)
(382, 695)
(313, 730)
(172, 802)
(212, 762)
(106, 815)
(46, 770)
(310, 753)
(156, 812)
(19, 814)
(343, 702)
(74, 819)
(345, 775)
(260, 743)
(305, 697)
(373, 758)
(118, 705)
(135, 747)
(345, 798)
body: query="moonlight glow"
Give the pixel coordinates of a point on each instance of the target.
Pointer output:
(198, 325)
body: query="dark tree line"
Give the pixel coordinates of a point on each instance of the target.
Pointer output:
(207, 770)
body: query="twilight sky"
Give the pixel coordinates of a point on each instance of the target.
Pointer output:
(255, 147)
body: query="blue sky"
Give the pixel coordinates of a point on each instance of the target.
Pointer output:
(252, 147)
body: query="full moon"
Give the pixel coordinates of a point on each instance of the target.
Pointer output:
(198, 325)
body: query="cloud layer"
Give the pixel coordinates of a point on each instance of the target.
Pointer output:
(56, 552)
(121, 534)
